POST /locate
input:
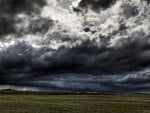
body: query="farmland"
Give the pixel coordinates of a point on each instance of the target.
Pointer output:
(74, 103)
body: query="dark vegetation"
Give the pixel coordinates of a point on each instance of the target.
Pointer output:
(10, 91)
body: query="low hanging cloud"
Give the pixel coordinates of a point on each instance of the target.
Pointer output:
(85, 58)
(127, 83)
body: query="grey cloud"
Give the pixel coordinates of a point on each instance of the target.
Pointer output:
(108, 69)
(85, 58)
(18, 6)
(95, 5)
(6, 26)
(10, 8)
(127, 83)
(108, 60)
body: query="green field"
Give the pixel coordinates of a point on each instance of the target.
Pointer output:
(28, 103)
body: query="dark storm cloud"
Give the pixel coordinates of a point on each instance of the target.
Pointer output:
(18, 6)
(82, 82)
(95, 5)
(10, 8)
(88, 58)
(148, 1)
(132, 55)
(109, 68)
(6, 25)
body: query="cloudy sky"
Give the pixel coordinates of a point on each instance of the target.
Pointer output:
(75, 45)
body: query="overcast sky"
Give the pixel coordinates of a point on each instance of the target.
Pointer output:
(75, 45)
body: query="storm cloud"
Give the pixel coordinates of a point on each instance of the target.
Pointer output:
(95, 5)
(9, 10)
(48, 47)
(86, 58)
(17, 6)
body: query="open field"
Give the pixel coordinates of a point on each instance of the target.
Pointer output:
(28, 103)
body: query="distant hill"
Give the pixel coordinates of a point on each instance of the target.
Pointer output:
(10, 91)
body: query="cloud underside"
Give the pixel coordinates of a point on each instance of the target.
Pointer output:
(86, 58)
(127, 83)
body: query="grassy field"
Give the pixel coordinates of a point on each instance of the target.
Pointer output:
(28, 103)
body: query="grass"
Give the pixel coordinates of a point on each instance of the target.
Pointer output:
(82, 103)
